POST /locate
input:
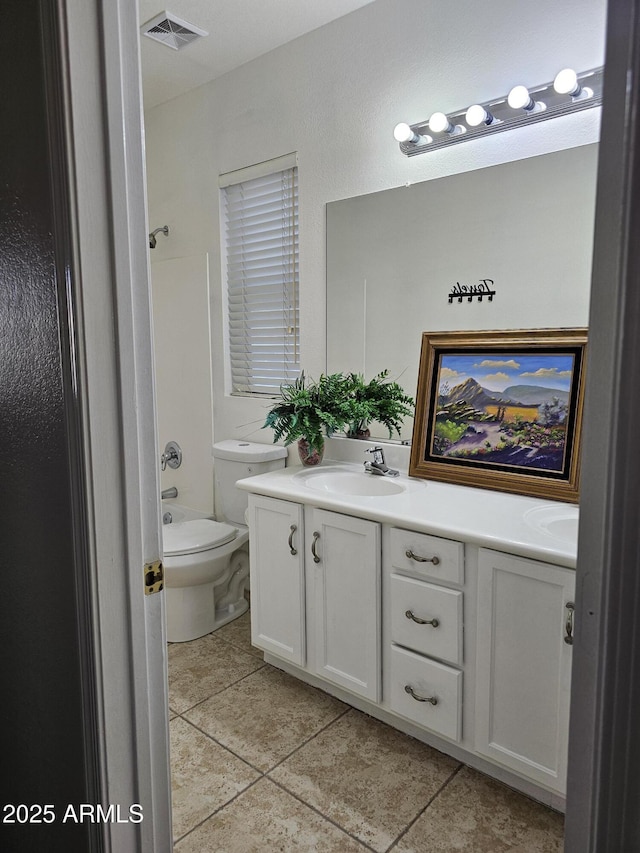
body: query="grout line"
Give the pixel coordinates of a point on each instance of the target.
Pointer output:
(422, 811)
(321, 814)
(326, 817)
(228, 749)
(278, 763)
(264, 775)
(219, 809)
(309, 739)
(241, 648)
(219, 692)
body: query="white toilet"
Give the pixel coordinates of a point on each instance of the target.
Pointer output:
(206, 562)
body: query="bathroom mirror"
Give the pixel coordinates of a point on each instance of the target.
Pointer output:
(504, 247)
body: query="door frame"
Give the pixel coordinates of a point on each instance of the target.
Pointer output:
(604, 741)
(113, 349)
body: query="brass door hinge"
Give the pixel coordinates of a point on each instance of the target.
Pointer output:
(153, 577)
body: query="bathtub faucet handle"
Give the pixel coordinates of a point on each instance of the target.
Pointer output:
(172, 456)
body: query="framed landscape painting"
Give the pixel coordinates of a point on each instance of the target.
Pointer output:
(501, 410)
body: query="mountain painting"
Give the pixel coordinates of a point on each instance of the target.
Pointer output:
(506, 409)
(502, 410)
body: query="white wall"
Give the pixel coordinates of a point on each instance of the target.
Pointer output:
(183, 368)
(334, 96)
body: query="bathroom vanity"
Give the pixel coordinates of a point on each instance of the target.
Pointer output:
(442, 610)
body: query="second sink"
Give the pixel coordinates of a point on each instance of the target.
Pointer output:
(559, 521)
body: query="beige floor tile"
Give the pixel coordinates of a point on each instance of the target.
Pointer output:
(204, 776)
(475, 814)
(266, 716)
(238, 633)
(200, 668)
(264, 819)
(367, 777)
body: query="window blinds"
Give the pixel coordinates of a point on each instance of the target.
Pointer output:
(261, 249)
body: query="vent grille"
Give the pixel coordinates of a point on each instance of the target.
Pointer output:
(172, 31)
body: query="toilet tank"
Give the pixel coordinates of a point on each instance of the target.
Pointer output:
(234, 460)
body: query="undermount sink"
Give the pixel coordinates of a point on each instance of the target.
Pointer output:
(340, 482)
(561, 522)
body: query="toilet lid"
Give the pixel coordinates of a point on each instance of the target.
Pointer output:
(189, 537)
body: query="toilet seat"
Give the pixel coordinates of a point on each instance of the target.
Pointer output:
(191, 537)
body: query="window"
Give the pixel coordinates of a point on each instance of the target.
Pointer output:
(260, 257)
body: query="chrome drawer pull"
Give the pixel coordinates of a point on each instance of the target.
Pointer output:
(432, 700)
(316, 536)
(412, 556)
(293, 529)
(411, 615)
(568, 625)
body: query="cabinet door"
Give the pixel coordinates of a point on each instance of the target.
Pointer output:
(276, 548)
(524, 665)
(344, 555)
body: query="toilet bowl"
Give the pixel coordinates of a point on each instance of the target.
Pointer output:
(206, 567)
(206, 562)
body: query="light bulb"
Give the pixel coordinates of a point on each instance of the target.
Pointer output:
(403, 133)
(477, 115)
(566, 83)
(520, 99)
(439, 123)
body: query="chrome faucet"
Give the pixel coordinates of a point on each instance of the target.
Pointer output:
(172, 456)
(169, 493)
(379, 466)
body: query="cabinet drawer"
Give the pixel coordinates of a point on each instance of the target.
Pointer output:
(426, 679)
(413, 600)
(427, 556)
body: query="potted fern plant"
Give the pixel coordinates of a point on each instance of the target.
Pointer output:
(309, 411)
(378, 400)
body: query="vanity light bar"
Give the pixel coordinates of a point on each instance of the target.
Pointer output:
(568, 93)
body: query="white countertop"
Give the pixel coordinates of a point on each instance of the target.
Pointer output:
(529, 527)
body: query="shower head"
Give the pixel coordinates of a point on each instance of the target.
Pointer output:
(152, 236)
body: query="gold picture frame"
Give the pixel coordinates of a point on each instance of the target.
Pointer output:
(501, 410)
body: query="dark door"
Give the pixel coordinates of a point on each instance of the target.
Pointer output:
(46, 753)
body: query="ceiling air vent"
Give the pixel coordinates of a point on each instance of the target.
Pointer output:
(172, 31)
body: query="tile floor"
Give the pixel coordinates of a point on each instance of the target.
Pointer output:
(262, 762)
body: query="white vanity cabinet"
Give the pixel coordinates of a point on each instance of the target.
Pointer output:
(462, 646)
(315, 591)
(525, 618)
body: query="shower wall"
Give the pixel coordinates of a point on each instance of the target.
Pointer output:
(182, 346)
